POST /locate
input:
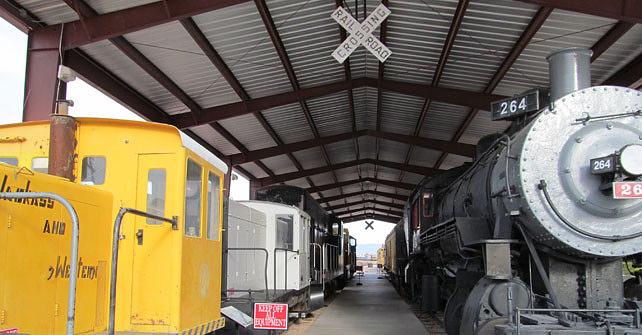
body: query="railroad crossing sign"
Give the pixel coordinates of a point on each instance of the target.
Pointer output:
(369, 225)
(361, 33)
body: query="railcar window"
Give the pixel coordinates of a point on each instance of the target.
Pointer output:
(9, 160)
(193, 199)
(93, 170)
(414, 219)
(40, 164)
(156, 194)
(427, 204)
(213, 191)
(284, 231)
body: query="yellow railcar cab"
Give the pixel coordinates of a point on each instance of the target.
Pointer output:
(169, 281)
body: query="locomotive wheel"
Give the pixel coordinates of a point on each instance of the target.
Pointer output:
(454, 311)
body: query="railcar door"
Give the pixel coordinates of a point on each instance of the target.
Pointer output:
(154, 241)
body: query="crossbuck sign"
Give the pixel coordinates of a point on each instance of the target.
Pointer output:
(361, 33)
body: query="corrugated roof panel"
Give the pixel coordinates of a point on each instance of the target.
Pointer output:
(239, 36)
(481, 126)
(322, 178)
(562, 29)
(175, 53)
(386, 173)
(341, 151)
(452, 161)
(301, 182)
(279, 164)
(247, 129)
(215, 139)
(412, 178)
(331, 114)
(51, 12)
(309, 36)
(416, 34)
(289, 123)
(400, 112)
(392, 151)
(367, 147)
(442, 120)
(328, 193)
(110, 57)
(350, 173)
(424, 157)
(310, 158)
(365, 106)
(619, 54)
(488, 32)
(254, 169)
(106, 6)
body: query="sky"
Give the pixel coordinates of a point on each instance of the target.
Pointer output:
(88, 101)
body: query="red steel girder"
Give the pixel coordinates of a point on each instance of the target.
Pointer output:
(533, 26)
(455, 24)
(118, 23)
(357, 203)
(449, 95)
(360, 217)
(19, 17)
(451, 147)
(628, 75)
(324, 169)
(373, 192)
(614, 34)
(370, 209)
(391, 183)
(624, 10)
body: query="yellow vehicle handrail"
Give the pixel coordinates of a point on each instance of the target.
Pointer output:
(73, 267)
(114, 256)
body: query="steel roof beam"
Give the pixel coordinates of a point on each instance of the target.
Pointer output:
(357, 203)
(391, 183)
(614, 34)
(360, 217)
(86, 12)
(370, 209)
(533, 26)
(324, 169)
(18, 16)
(455, 24)
(451, 147)
(628, 75)
(101, 27)
(625, 10)
(266, 17)
(360, 193)
(449, 95)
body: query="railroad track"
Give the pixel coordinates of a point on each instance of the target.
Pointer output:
(433, 322)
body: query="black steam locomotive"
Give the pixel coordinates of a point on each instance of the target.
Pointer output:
(534, 235)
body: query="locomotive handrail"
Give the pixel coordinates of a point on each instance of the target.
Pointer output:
(285, 258)
(267, 256)
(73, 267)
(114, 256)
(322, 256)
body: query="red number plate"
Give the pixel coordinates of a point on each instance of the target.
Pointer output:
(627, 190)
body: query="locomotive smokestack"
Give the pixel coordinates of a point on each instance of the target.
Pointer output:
(569, 70)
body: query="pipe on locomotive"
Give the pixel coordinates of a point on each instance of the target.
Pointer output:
(73, 266)
(569, 71)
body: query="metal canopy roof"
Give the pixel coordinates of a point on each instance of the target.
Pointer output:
(254, 81)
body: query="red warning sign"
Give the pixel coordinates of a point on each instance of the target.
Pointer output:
(270, 316)
(9, 331)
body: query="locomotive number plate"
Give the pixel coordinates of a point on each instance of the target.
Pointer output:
(627, 190)
(603, 165)
(515, 106)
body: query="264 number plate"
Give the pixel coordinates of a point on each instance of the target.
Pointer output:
(627, 190)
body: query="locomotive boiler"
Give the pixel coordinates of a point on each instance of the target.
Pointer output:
(531, 237)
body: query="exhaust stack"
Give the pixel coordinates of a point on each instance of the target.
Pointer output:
(569, 71)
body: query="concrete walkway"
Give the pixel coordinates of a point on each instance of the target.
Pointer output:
(371, 309)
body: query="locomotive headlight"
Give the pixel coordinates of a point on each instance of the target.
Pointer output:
(631, 159)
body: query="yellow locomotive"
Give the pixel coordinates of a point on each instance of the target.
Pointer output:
(168, 276)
